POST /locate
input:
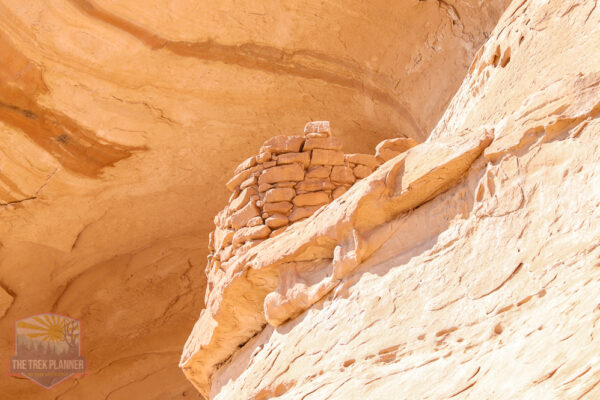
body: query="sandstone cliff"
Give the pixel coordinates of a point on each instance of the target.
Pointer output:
(466, 267)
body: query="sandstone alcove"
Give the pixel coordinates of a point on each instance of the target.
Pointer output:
(121, 123)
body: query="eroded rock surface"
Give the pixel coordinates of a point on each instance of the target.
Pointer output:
(471, 260)
(311, 257)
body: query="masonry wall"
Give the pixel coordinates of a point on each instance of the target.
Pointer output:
(289, 179)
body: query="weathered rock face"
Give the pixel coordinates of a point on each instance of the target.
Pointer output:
(467, 266)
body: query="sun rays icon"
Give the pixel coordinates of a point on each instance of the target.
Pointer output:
(50, 328)
(47, 349)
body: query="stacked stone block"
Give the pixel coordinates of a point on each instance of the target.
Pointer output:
(290, 179)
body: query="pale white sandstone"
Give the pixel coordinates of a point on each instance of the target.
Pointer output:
(464, 267)
(390, 191)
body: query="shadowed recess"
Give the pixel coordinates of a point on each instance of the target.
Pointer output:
(302, 63)
(75, 147)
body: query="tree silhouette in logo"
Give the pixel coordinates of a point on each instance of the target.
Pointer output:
(70, 334)
(50, 330)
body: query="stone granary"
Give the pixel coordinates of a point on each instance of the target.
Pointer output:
(288, 181)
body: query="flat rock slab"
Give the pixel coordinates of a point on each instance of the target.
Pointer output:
(282, 173)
